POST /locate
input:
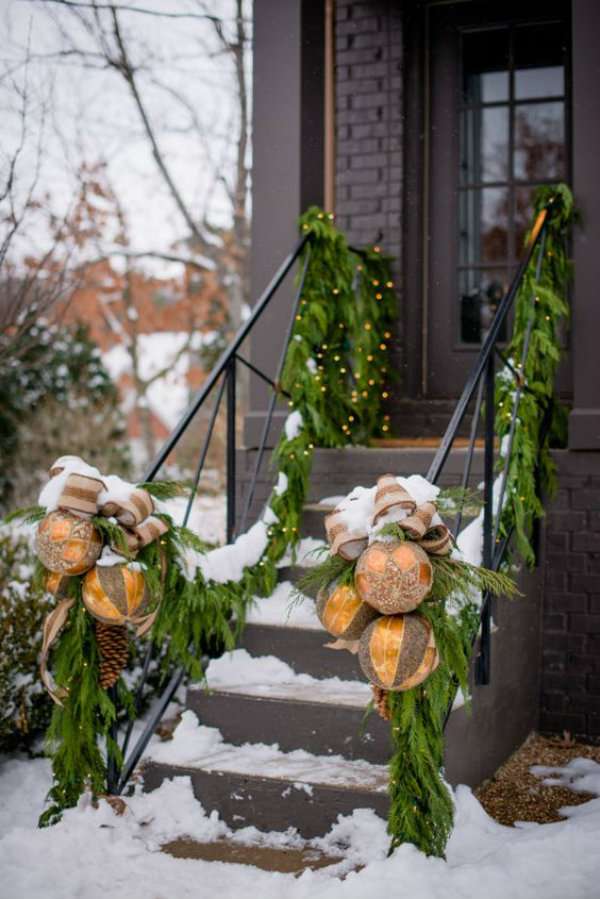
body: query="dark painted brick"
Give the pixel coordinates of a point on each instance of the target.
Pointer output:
(586, 499)
(594, 521)
(567, 602)
(555, 702)
(554, 622)
(566, 521)
(584, 703)
(593, 726)
(593, 564)
(595, 604)
(557, 541)
(559, 681)
(557, 723)
(576, 643)
(593, 683)
(584, 624)
(566, 561)
(586, 542)
(590, 583)
(582, 664)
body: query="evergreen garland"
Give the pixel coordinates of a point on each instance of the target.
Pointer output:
(335, 374)
(540, 310)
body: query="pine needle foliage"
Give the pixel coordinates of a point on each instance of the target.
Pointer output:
(335, 374)
(540, 311)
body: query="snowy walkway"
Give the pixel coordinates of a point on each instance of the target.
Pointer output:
(93, 854)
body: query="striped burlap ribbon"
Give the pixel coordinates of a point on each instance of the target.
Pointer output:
(133, 512)
(416, 521)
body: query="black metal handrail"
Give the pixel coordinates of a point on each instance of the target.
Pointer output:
(480, 381)
(223, 374)
(481, 385)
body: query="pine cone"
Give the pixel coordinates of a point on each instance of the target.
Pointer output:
(113, 645)
(380, 699)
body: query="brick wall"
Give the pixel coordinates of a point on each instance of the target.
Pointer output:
(368, 39)
(571, 613)
(369, 121)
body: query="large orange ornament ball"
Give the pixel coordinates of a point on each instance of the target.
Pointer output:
(397, 652)
(115, 594)
(393, 577)
(66, 544)
(342, 612)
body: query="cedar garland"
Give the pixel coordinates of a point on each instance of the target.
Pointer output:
(339, 343)
(543, 306)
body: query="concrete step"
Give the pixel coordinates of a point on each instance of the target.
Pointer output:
(296, 719)
(303, 650)
(261, 786)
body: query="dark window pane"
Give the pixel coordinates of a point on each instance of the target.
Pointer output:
(480, 295)
(539, 141)
(485, 66)
(485, 144)
(483, 225)
(548, 81)
(540, 45)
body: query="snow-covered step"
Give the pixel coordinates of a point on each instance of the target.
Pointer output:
(257, 784)
(279, 626)
(263, 700)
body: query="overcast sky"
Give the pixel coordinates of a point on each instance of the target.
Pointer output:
(90, 115)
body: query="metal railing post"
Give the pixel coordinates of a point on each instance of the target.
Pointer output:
(230, 449)
(482, 671)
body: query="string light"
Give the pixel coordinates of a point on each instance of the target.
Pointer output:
(389, 283)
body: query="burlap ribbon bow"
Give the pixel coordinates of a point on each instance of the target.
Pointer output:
(395, 503)
(133, 509)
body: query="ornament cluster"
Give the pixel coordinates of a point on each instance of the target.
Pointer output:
(77, 552)
(376, 615)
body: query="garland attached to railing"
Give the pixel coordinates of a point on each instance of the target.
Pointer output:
(534, 354)
(335, 375)
(390, 591)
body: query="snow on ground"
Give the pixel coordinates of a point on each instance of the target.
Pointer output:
(93, 854)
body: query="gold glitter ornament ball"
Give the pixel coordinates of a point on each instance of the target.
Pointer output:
(393, 576)
(398, 652)
(342, 612)
(66, 544)
(115, 594)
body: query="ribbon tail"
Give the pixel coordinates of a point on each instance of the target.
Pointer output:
(53, 625)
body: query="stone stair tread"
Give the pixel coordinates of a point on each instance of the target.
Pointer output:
(268, 677)
(280, 610)
(358, 697)
(195, 747)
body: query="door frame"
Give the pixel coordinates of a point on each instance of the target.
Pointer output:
(417, 212)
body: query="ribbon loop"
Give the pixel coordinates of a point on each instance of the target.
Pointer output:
(420, 523)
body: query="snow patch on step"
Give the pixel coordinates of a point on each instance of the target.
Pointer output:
(194, 745)
(282, 609)
(239, 672)
(306, 555)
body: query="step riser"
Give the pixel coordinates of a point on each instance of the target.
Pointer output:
(319, 728)
(302, 650)
(242, 800)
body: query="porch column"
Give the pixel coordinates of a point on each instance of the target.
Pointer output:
(287, 170)
(584, 422)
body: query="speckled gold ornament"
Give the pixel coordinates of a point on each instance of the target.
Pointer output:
(397, 652)
(342, 612)
(116, 594)
(66, 544)
(393, 576)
